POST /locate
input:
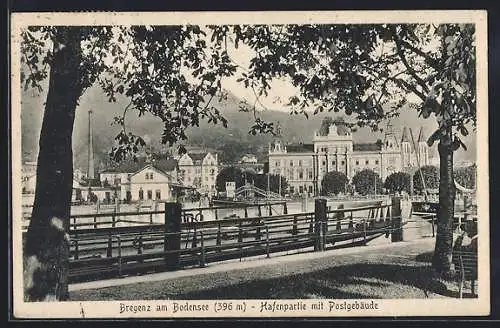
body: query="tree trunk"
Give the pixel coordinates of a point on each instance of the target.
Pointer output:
(441, 261)
(46, 247)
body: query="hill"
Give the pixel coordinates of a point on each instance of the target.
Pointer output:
(230, 143)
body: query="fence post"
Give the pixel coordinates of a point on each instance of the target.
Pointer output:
(246, 212)
(433, 228)
(139, 248)
(218, 240)
(240, 236)
(294, 228)
(202, 252)
(109, 250)
(257, 230)
(319, 218)
(76, 249)
(364, 232)
(172, 239)
(397, 220)
(260, 211)
(270, 210)
(340, 217)
(267, 242)
(285, 208)
(351, 222)
(119, 255)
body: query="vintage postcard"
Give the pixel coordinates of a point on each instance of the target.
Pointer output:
(249, 164)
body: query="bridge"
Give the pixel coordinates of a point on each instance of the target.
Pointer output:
(251, 191)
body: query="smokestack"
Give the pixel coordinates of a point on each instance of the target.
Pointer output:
(90, 167)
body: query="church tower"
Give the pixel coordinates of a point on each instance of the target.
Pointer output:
(423, 149)
(405, 149)
(390, 142)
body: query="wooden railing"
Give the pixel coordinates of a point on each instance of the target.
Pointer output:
(110, 251)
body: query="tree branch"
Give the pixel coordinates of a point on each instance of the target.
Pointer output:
(434, 63)
(411, 70)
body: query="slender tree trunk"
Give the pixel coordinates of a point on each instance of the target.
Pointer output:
(46, 249)
(441, 261)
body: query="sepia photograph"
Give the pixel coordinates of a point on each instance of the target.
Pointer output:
(264, 164)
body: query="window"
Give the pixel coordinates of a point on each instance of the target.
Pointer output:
(151, 176)
(323, 163)
(147, 176)
(300, 162)
(158, 194)
(376, 161)
(366, 162)
(310, 174)
(357, 162)
(150, 194)
(291, 163)
(141, 194)
(292, 190)
(333, 163)
(301, 175)
(342, 162)
(310, 189)
(277, 163)
(301, 189)
(118, 181)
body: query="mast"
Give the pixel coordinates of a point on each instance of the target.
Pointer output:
(90, 164)
(418, 164)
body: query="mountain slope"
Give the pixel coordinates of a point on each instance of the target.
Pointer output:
(232, 141)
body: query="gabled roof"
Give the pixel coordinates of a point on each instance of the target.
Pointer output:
(154, 167)
(131, 166)
(367, 146)
(197, 156)
(300, 148)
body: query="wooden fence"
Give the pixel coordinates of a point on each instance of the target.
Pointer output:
(102, 250)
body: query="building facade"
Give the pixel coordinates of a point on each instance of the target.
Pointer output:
(151, 183)
(305, 165)
(199, 170)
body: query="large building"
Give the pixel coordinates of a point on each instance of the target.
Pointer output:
(199, 170)
(333, 149)
(145, 179)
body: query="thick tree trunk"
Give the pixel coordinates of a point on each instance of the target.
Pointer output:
(46, 249)
(441, 261)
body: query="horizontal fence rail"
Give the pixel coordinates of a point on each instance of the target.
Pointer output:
(102, 249)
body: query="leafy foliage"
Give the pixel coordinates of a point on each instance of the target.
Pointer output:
(227, 174)
(398, 182)
(431, 178)
(466, 176)
(370, 71)
(367, 182)
(334, 182)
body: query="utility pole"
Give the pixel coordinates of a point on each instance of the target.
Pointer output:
(279, 185)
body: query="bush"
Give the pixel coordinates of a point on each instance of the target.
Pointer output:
(334, 182)
(367, 182)
(398, 182)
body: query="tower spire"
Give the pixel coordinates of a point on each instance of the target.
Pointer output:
(90, 164)
(405, 137)
(421, 137)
